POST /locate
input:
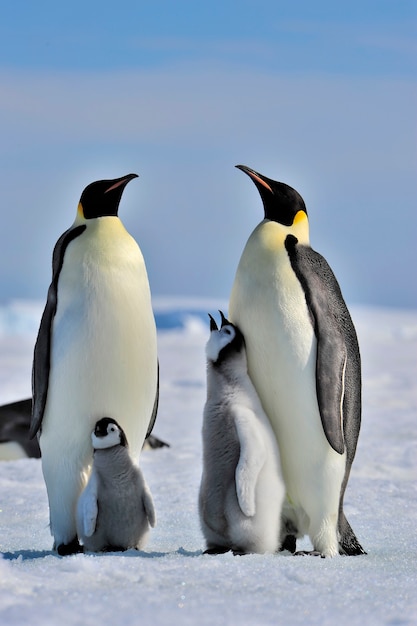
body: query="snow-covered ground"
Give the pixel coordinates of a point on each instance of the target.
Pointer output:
(171, 582)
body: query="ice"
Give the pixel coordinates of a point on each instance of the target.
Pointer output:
(172, 582)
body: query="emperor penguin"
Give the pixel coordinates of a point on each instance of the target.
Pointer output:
(14, 431)
(115, 511)
(304, 360)
(96, 351)
(241, 489)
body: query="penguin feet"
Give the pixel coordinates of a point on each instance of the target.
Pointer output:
(309, 553)
(114, 549)
(238, 552)
(216, 550)
(289, 543)
(65, 549)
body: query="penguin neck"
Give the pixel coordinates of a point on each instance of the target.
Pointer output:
(269, 236)
(111, 462)
(105, 222)
(233, 372)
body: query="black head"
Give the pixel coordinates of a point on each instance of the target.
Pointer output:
(108, 433)
(281, 202)
(102, 198)
(224, 341)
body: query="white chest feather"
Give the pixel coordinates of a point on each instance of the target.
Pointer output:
(268, 304)
(103, 360)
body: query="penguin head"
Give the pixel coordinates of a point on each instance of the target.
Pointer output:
(107, 433)
(102, 198)
(224, 342)
(282, 203)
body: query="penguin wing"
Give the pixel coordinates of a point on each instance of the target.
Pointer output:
(155, 405)
(42, 352)
(251, 460)
(336, 340)
(87, 507)
(148, 505)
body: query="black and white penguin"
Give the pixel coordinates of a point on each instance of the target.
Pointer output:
(303, 358)
(14, 431)
(241, 489)
(96, 351)
(115, 511)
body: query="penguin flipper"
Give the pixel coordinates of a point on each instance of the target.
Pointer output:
(87, 508)
(148, 505)
(155, 405)
(41, 363)
(329, 313)
(251, 460)
(42, 352)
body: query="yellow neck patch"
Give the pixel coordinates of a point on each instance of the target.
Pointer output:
(80, 210)
(272, 235)
(301, 216)
(300, 227)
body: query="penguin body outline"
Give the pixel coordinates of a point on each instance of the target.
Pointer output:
(115, 511)
(305, 364)
(95, 353)
(241, 488)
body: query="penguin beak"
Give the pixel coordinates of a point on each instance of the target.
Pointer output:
(225, 321)
(121, 181)
(213, 325)
(257, 178)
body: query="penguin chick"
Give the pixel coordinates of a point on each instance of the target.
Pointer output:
(115, 511)
(241, 489)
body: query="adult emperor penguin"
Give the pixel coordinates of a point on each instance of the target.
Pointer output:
(115, 511)
(303, 358)
(96, 351)
(14, 431)
(241, 489)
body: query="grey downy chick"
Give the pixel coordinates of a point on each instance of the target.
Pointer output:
(242, 490)
(115, 511)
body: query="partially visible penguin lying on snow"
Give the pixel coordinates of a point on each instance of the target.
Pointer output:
(115, 510)
(241, 489)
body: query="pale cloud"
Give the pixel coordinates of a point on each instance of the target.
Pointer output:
(346, 143)
(192, 103)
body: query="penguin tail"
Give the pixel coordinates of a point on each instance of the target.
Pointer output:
(348, 542)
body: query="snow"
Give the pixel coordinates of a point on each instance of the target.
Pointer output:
(171, 582)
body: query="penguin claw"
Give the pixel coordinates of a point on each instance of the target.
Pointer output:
(239, 552)
(65, 549)
(309, 553)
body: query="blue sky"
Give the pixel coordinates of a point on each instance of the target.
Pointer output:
(319, 95)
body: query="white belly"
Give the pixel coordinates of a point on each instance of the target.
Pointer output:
(268, 305)
(104, 355)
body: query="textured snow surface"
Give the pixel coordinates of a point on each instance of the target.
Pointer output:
(171, 582)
